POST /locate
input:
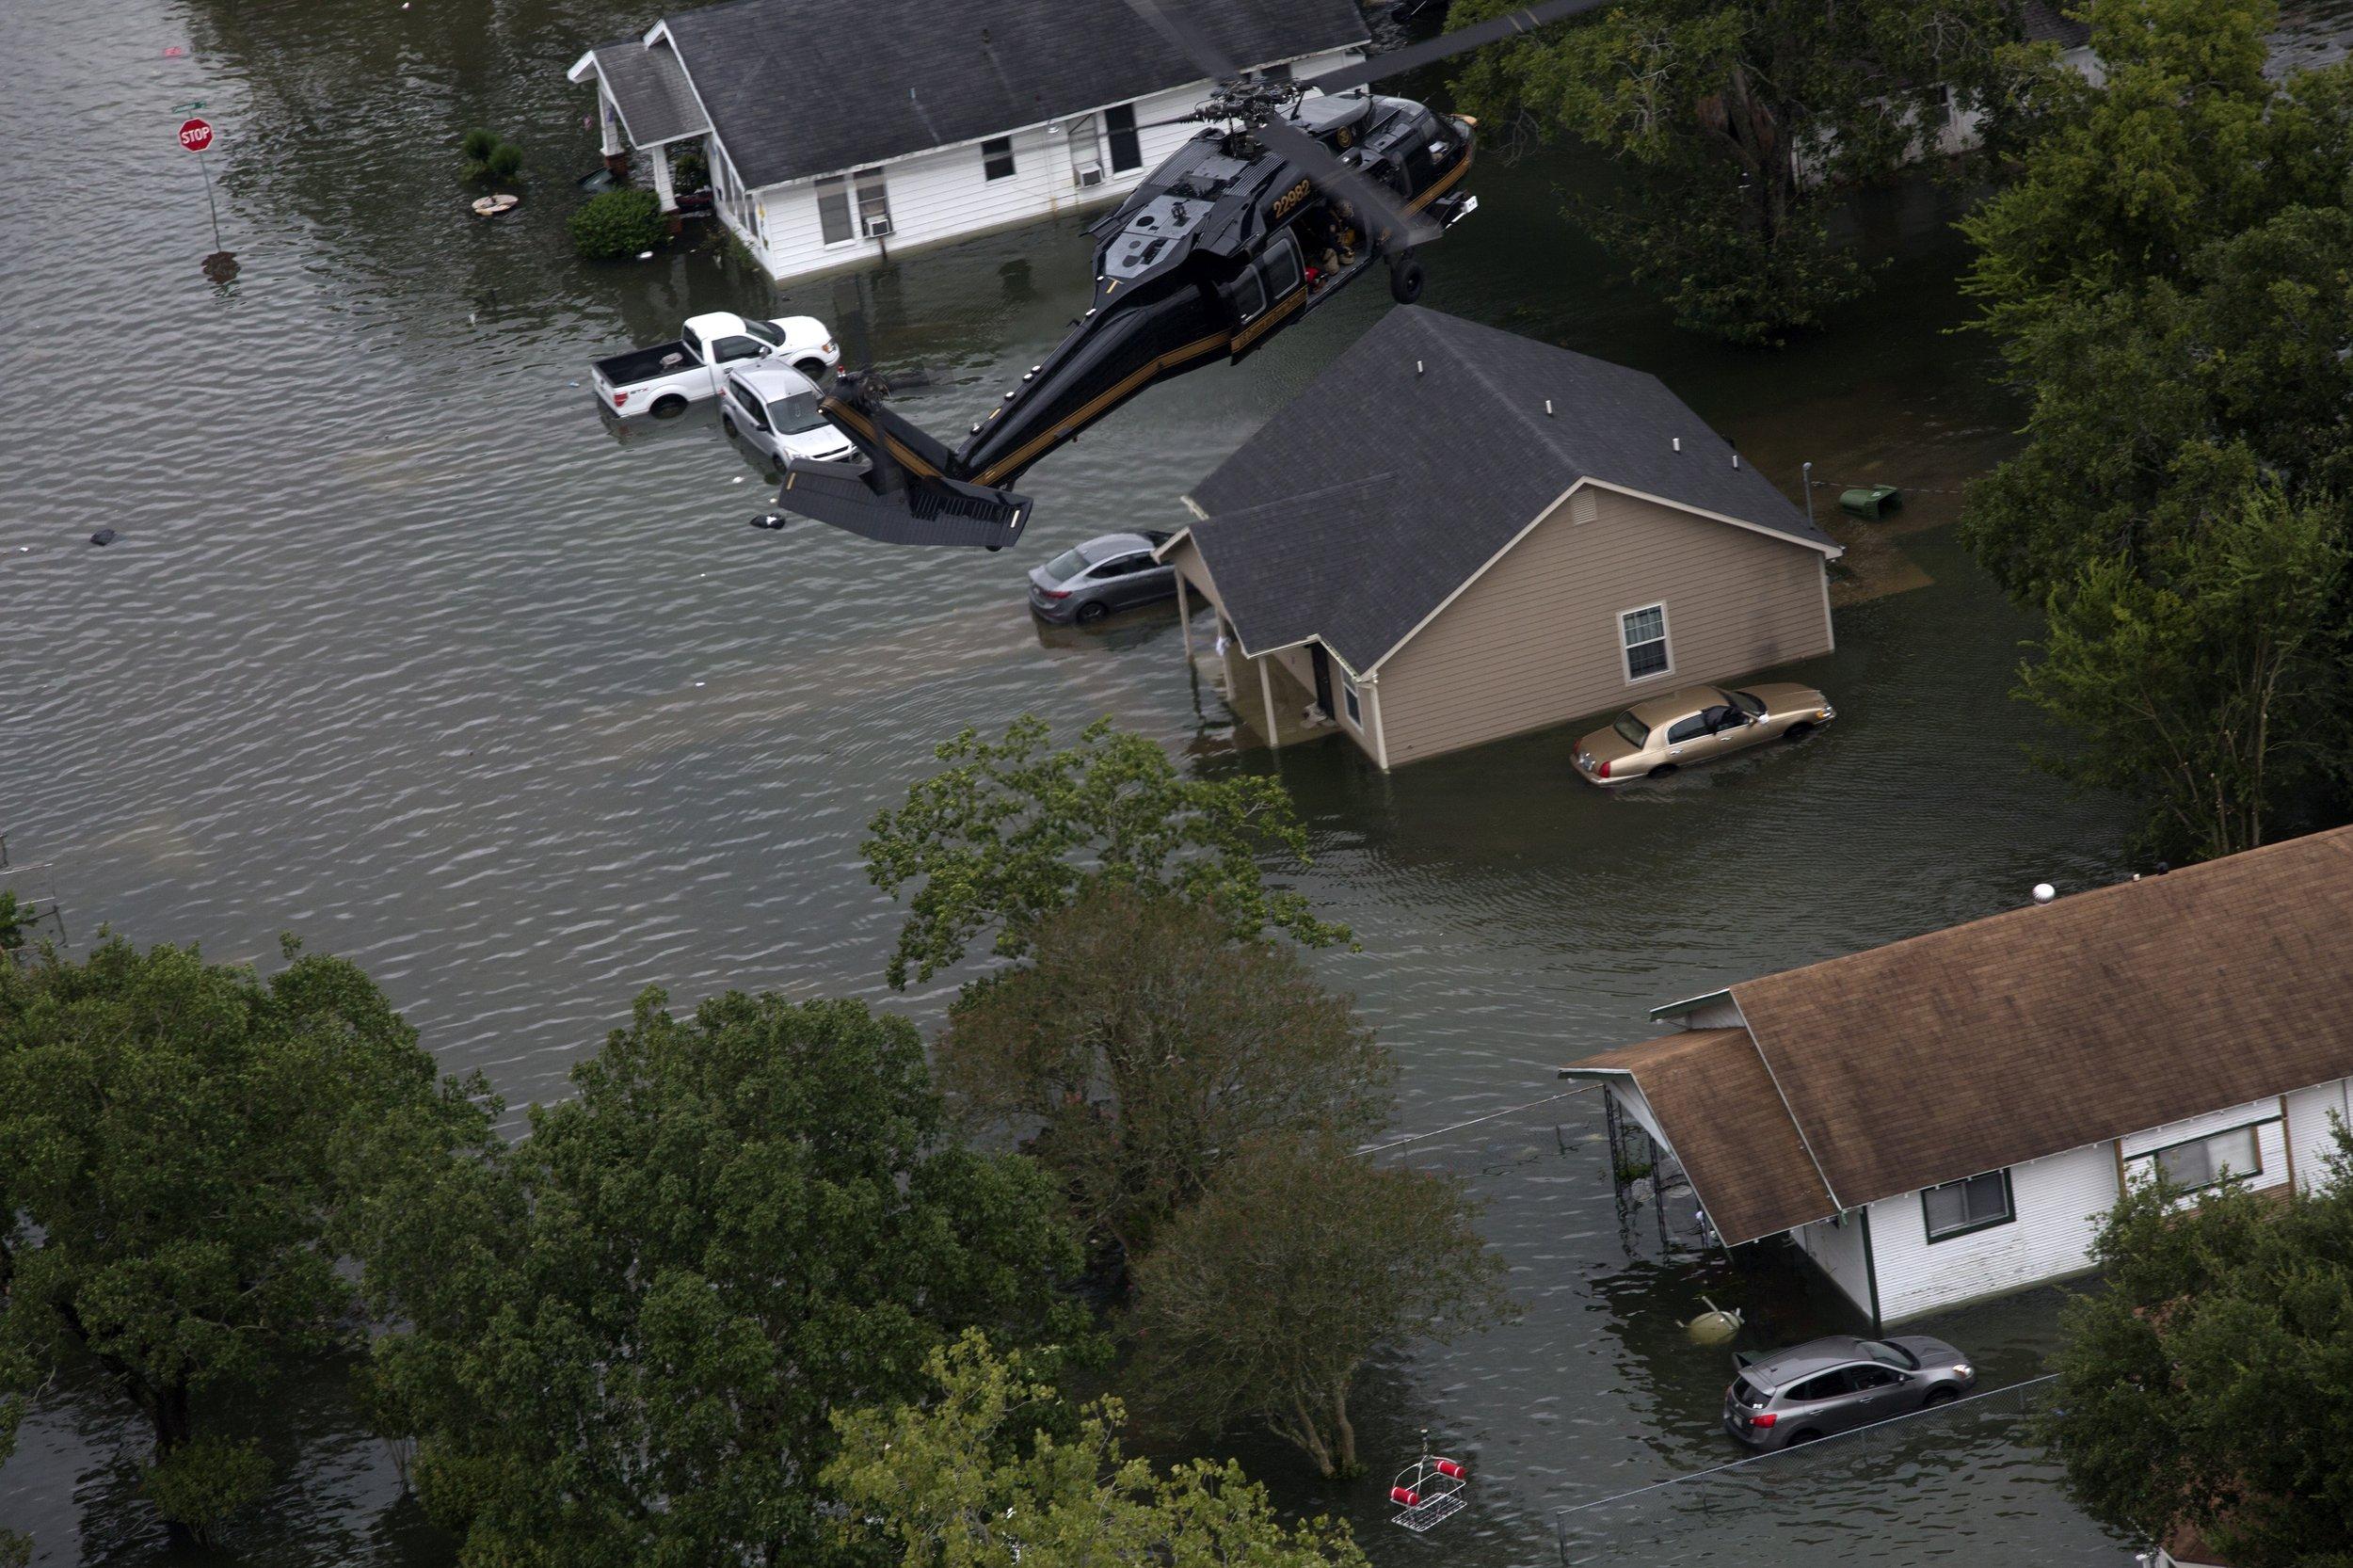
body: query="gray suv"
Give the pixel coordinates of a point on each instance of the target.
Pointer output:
(1114, 573)
(1839, 1383)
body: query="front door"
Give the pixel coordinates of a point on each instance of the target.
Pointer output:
(1324, 677)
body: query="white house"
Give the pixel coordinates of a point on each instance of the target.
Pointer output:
(1948, 1117)
(839, 131)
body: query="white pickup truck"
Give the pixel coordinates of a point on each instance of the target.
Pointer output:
(665, 379)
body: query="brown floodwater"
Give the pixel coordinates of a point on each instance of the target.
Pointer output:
(401, 647)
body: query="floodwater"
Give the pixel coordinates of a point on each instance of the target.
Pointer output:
(403, 648)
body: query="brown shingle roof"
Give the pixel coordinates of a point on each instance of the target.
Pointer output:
(2030, 1033)
(1748, 1167)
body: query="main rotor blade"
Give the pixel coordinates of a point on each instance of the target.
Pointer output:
(1377, 205)
(1445, 46)
(1191, 42)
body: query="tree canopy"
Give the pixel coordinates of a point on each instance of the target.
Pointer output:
(974, 1478)
(1009, 829)
(2209, 1384)
(185, 1151)
(1740, 123)
(1264, 1300)
(1145, 1045)
(2168, 279)
(630, 1329)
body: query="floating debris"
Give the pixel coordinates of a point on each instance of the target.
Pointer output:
(1714, 1326)
(491, 207)
(105, 535)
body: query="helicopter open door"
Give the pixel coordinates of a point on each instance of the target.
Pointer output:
(1265, 291)
(905, 496)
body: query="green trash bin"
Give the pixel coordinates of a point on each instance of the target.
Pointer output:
(1870, 501)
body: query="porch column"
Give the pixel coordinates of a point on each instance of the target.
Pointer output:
(608, 124)
(661, 180)
(1184, 618)
(1266, 695)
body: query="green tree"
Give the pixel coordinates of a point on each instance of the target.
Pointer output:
(1009, 830)
(2125, 184)
(1145, 1044)
(1263, 1300)
(17, 1386)
(184, 1149)
(1741, 122)
(630, 1327)
(967, 1480)
(2211, 687)
(2210, 1382)
(2167, 278)
(15, 919)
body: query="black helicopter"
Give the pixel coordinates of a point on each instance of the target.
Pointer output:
(1266, 214)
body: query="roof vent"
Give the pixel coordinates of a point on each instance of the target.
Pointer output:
(1417, 368)
(1678, 441)
(2044, 892)
(1547, 408)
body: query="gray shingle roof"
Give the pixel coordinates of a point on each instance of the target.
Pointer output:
(798, 87)
(2046, 22)
(649, 88)
(1381, 489)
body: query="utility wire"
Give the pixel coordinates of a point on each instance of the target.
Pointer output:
(1415, 1138)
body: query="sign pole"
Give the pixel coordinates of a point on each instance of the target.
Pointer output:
(210, 205)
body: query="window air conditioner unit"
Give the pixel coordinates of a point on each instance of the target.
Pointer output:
(877, 228)
(1087, 175)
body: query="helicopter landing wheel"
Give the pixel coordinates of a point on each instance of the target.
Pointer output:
(1406, 279)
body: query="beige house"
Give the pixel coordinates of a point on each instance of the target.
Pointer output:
(1456, 533)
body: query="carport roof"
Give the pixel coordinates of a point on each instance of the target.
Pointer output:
(649, 88)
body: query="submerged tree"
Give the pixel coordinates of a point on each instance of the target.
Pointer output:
(631, 1328)
(2211, 687)
(1146, 1045)
(1009, 830)
(2209, 1384)
(976, 1478)
(1264, 1300)
(185, 1150)
(1741, 122)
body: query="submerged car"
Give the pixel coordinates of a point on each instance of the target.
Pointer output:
(1826, 1387)
(773, 409)
(1699, 723)
(1088, 582)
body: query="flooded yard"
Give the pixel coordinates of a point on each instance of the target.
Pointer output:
(403, 648)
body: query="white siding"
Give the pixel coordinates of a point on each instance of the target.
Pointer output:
(942, 194)
(2198, 1127)
(2311, 1134)
(1837, 1246)
(2059, 1203)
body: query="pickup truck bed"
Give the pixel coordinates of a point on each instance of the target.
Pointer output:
(644, 364)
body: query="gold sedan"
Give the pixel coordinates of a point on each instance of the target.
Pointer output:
(1699, 723)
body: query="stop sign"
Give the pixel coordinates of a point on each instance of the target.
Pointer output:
(196, 135)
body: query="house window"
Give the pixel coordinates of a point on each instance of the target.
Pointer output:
(1348, 699)
(1644, 632)
(1119, 124)
(1959, 1207)
(2204, 1161)
(833, 209)
(873, 203)
(997, 159)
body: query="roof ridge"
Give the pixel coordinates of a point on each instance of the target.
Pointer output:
(1423, 315)
(2193, 870)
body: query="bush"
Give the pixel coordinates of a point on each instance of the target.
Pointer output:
(488, 156)
(617, 223)
(692, 171)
